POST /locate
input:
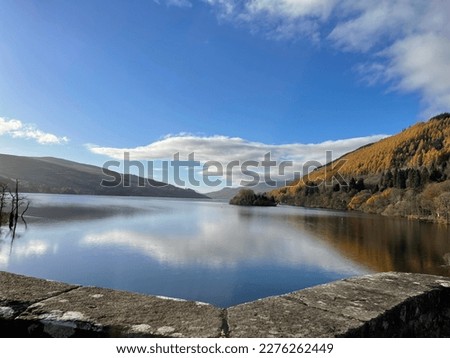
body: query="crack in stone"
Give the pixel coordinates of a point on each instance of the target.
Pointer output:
(225, 329)
(20, 307)
(27, 305)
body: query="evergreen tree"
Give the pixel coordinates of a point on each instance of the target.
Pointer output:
(389, 178)
(352, 184)
(360, 184)
(401, 179)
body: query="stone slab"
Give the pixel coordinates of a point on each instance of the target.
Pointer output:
(367, 297)
(17, 292)
(400, 284)
(91, 311)
(282, 317)
(380, 305)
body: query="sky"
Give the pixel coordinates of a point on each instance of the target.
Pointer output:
(224, 79)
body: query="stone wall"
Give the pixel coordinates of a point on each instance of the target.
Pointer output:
(380, 305)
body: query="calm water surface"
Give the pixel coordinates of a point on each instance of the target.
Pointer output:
(210, 251)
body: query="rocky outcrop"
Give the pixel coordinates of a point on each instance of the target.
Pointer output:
(380, 305)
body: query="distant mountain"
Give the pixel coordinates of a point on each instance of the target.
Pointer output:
(223, 194)
(228, 193)
(404, 175)
(59, 176)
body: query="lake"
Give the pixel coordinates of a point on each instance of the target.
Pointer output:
(210, 251)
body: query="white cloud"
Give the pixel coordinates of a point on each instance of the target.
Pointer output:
(292, 8)
(17, 129)
(374, 21)
(277, 19)
(405, 41)
(225, 150)
(9, 126)
(422, 63)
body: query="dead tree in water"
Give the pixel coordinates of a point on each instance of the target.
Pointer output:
(3, 194)
(14, 201)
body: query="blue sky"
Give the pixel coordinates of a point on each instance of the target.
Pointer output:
(87, 80)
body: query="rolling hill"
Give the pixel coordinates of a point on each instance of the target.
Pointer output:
(59, 176)
(404, 175)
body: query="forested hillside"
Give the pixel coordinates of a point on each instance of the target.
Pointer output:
(404, 175)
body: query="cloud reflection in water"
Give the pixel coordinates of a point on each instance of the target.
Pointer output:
(218, 244)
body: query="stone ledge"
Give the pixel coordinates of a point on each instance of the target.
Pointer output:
(18, 292)
(379, 305)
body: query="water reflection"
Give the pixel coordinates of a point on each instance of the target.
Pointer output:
(220, 244)
(12, 245)
(209, 251)
(381, 243)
